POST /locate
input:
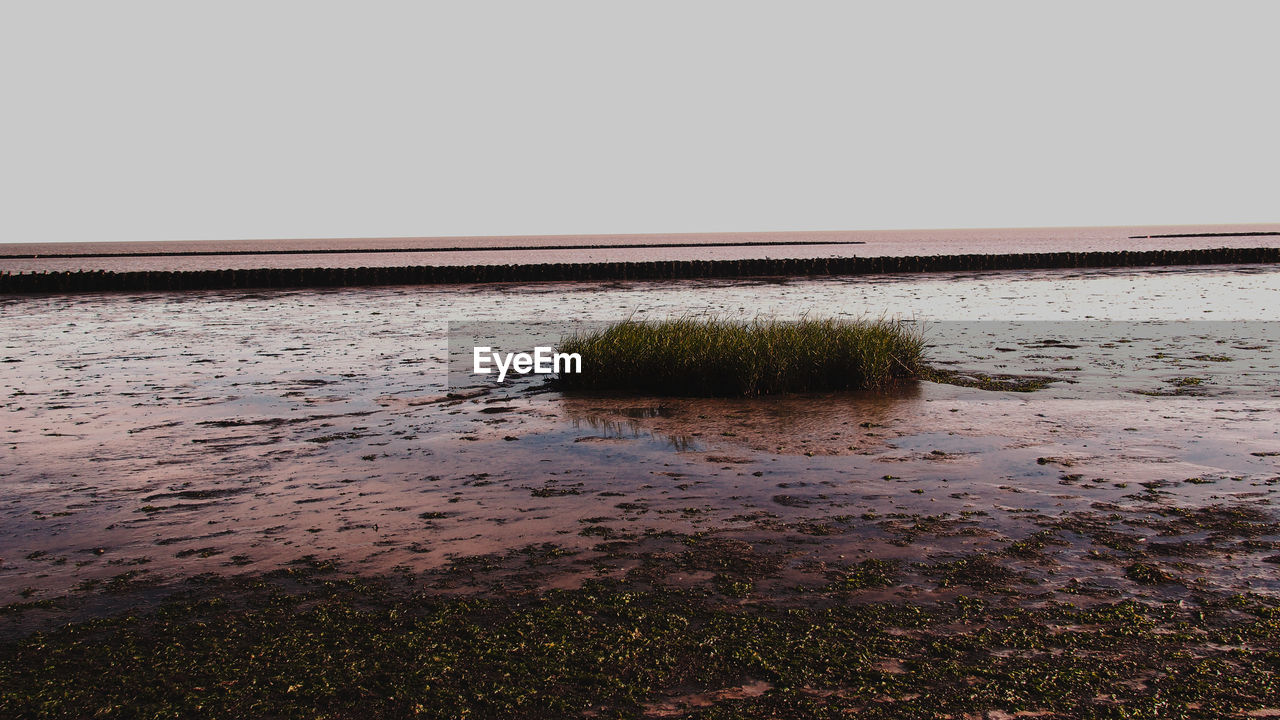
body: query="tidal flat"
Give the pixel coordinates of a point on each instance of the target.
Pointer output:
(276, 504)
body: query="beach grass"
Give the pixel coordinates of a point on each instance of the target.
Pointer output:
(710, 356)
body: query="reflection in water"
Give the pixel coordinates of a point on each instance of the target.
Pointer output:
(628, 422)
(818, 424)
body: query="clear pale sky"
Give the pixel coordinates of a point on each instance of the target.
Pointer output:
(232, 120)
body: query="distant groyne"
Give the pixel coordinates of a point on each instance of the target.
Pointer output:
(142, 281)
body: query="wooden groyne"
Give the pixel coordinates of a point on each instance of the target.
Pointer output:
(141, 281)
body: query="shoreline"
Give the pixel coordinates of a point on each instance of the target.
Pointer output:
(181, 280)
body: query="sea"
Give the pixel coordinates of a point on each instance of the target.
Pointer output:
(535, 249)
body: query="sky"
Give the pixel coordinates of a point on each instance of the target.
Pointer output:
(234, 120)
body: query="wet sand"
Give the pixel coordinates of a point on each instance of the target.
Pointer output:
(230, 432)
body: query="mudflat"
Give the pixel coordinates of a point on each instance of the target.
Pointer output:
(274, 504)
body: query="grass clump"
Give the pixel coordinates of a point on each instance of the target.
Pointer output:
(719, 357)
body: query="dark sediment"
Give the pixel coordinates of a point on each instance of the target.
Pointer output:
(1266, 233)
(99, 281)
(739, 641)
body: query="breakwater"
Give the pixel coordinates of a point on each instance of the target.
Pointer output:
(443, 249)
(141, 281)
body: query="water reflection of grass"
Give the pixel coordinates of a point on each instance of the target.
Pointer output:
(824, 423)
(717, 357)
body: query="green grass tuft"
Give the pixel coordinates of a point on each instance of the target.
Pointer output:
(716, 357)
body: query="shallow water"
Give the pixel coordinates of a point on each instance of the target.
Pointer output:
(523, 250)
(238, 431)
